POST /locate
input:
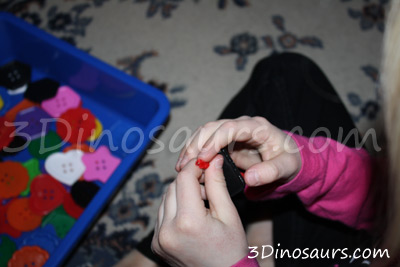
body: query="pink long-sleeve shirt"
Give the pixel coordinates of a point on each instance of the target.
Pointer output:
(334, 183)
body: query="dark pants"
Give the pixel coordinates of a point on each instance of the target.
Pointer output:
(291, 91)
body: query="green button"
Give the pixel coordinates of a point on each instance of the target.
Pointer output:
(32, 166)
(7, 249)
(51, 143)
(60, 220)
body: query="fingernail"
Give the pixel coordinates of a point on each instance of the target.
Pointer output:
(218, 163)
(252, 177)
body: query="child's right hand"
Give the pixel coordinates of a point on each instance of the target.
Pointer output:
(266, 153)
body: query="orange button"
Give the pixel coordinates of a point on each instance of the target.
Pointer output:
(24, 104)
(21, 217)
(13, 179)
(29, 256)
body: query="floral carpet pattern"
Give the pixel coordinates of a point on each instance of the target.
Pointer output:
(200, 53)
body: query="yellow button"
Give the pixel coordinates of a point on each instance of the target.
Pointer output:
(97, 131)
(1, 103)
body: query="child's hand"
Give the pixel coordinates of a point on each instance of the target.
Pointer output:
(262, 150)
(189, 234)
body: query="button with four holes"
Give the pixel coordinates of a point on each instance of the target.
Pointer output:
(99, 165)
(14, 76)
(21, 217)
(13, 179)
(65, 99)
(41, 90)
(67, 167)
(29, 256)
(46, 194)
(76, 125)
(35, 121)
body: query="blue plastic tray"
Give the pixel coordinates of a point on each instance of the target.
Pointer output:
(120, 101)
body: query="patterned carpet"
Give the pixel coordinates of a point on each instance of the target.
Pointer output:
(200, 53)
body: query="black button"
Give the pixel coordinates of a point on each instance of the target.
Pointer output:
(83, 192)
(16, 145)
(41, 90)
(14, 75)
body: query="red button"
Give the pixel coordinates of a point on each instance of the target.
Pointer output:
(202, 164)
(13, 179)
(46, 194)
(76, 125)
(71, 207)
(6, 133)
(20, 216)
(5, 227)
(29, 256)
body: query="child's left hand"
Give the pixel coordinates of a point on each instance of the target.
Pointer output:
(189, 234)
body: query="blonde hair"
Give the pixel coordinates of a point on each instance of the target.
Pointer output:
(390, 79)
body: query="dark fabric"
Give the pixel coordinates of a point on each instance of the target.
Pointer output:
(290, 90)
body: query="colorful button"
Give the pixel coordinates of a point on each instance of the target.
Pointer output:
(67, 168)
(83, 192)
(76, 125)
(97, 132)
(43, 147)
(14, 75)
(20, 216)
(6, 133)
(45, 238)
(99, 165)
(60, 220)
(32, 118)
(5, 227)
(29, 256)
(70, 207)
(65, 99)
(7, 249)
(41, 90)
(13, 179)
(46, 194)
(32, 167)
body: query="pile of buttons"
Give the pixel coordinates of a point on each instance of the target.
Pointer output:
(48, 171)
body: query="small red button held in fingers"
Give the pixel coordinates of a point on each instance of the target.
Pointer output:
(202, 164)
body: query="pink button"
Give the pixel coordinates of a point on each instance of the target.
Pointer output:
(65, 99)
(99, 165)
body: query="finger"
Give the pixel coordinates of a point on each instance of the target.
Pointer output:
(221, 205)
(245, 158)
(170, 203)
(283, 166)
(195, 145)
(188, 190)
(242, 130)
(183, 151)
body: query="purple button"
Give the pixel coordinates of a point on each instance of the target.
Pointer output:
(28, 122)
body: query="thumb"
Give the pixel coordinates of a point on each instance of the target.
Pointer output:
(221, 205)
(283, 166)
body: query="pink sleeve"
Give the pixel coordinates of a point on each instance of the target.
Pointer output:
(333, 183)
(247, 262)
